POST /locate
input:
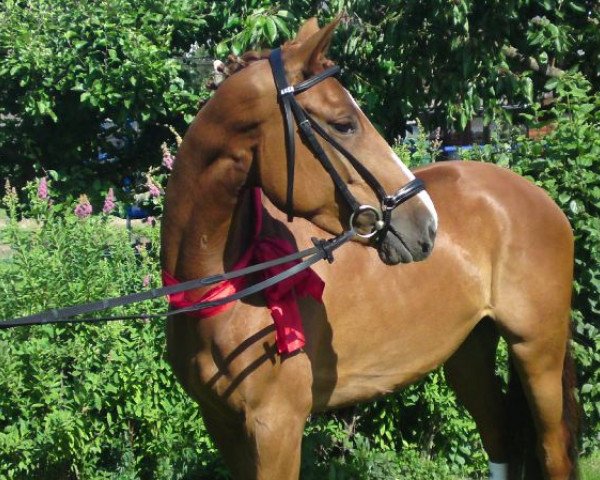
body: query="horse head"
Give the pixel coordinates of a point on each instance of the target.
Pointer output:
(247, 102)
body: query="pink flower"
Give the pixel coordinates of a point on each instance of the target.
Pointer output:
(153, 189)
(146, 281)
(42, 191)
(83, 208)
(109, 202)
(167, 159)
(150, 220)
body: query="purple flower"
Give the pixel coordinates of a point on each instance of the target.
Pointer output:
(153, 189)
(109, 202)
(83, 208)
(42, 191)
(167, 159)
(146, 281)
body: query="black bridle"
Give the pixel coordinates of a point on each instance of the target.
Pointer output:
(322, 249)
(307, 127)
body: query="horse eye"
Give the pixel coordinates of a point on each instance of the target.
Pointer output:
(346, 128)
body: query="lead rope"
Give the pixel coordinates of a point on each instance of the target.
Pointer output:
(323, 250)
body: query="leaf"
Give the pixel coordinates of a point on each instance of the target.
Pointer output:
(573, 207)
(282, 26)
(551, 84)
(576, 7)
(587, 388)
(271, 29)
(222, 49)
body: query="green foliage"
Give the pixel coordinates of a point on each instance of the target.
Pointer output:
(94, 402)
(100, 402)
(590, 467)
(567, 166)
(455, 58)
(333, 450)
(65, 66)
(262, 25)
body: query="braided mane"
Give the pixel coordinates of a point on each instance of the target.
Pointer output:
(233, 64)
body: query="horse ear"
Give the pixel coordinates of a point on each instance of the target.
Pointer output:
(311, 52)
(307, 30)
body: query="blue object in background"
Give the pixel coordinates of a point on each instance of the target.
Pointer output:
(135, 212)
(452, 152)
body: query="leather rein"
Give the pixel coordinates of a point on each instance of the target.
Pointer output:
(322, 249)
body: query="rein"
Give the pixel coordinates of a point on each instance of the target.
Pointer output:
(322, 250)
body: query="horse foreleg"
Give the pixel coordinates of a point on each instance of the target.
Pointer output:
(262, 444)
(471, 374)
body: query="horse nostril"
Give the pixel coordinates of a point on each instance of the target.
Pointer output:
(429, 239)
(426, 247)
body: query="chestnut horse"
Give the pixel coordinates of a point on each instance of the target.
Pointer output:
(501, 266)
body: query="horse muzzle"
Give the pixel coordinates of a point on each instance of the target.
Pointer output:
(406, 239)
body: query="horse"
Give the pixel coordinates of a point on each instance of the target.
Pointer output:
(481, 254)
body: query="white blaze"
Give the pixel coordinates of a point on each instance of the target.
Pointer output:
(423, 196)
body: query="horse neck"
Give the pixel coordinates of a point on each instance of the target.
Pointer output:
(205, 228)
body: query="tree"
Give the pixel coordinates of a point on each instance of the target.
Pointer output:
(459, 57)
(66, 66)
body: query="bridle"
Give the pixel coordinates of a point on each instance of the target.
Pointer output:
(307, 127)
(322, 249)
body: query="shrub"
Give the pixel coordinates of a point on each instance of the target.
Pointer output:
(66, 66)
(80, 401)
(100, 402)
(566, 163)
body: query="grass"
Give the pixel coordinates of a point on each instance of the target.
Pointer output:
(590, 467)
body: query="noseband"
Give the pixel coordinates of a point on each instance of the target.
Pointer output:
(307, 127)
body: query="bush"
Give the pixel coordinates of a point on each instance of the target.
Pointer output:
(566, 163)
(80, 401)
(66, 66)
(87, 87)
(100, 402)
(425, 417)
